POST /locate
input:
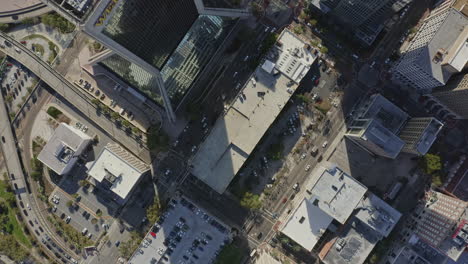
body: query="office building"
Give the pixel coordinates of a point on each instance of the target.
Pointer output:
(63, 149)
(172, 41)
(442, 222)
(116, 172)
(364, 19)
(439, 49)
(451, 98)
(382, 128)
(339, 218)
(419, 134)
(376, 126)
(236, 134)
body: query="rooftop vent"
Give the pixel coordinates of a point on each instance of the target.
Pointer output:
(439, 56)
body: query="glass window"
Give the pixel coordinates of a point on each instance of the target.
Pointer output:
(151, 29)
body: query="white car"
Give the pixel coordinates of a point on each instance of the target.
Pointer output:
(296, 186)
(303, 156)
(325, 144)
(307, 168)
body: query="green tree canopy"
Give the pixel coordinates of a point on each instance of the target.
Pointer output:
(432, 163)
(154, 211)
(251, 201)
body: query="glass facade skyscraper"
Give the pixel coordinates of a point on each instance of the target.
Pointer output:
(193, 54)
(151, 29)
(160, 46)
(135, 76)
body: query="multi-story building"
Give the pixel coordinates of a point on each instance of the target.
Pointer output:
(339, 218)
(116, 172)
(364, 18)
(452, 98)
(419, 133)
(439, 49)
(441, 221)
(262, 98)
(383, 129)
(160, 47)
(64, 148)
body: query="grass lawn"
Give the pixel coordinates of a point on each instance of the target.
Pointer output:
(230, 254)
(39, 48)
(16, 227)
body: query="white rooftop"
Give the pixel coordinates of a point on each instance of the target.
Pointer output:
(307, 224)
(62, 146)
(336, 193)
(119, 167)
(377, 214)
(235, 135)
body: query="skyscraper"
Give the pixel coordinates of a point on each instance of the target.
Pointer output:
(454, 96)
(160, 46)
(383, 129)
(362, 18)
(438, 50)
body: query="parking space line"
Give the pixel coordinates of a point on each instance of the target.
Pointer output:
(82, 205)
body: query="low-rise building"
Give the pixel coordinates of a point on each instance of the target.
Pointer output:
(64, 148)
(116, 172)
(354, 219)
(236, 134)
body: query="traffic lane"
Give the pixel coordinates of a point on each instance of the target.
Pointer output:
(13, 163)
(195, 132)
(298, 174)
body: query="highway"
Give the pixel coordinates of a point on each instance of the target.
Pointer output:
(68, 91)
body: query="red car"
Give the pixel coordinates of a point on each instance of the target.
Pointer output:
(284, 200)
(23, 42)
(317, 82)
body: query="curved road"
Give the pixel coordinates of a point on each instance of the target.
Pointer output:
(26, 201)
(68, 91)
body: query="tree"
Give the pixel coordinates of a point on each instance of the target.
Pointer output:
(82, 183)
(313, 22)
(27, 21)
(432, 163)
(284, 240)
(56, 21)
(127, 248)
(251, 201)
(157, 139)
(115, 115)
(304, 98)
(257, 9)
(4, 27)
(10, 247)
(296, 248)
(324, 49)
(36, 175)
(154, 211)
(69, 203)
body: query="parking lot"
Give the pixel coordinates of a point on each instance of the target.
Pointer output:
(80, 216)
(184, 234)
(17, 82)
